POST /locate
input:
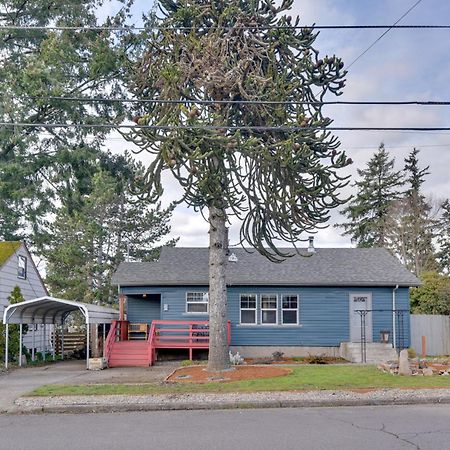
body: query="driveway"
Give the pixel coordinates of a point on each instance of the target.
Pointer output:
(21, 381)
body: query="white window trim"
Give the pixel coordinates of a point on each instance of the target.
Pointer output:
(196, 303)
(261, 309)
(248, 309)
(288, 309)
(25, 260)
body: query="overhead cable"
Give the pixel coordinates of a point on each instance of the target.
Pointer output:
(236, 102)
(394, 25)
(215, 127)
(236, 27)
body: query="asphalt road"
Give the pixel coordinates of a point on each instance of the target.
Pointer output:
(357, 428)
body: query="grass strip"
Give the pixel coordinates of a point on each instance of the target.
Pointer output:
(301, 378)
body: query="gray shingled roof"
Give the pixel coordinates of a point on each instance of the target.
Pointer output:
(325, 267)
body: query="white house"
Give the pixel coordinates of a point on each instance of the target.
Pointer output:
(18, 269)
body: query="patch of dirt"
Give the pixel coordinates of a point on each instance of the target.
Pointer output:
(437, 367)
(198, 374)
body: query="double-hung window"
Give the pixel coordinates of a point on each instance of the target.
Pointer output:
(197, 302)
(269, 310)
(289, 309)
(248, 309)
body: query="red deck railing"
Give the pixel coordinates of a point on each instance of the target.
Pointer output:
(118, 331)
(168, 334)
(189, 334)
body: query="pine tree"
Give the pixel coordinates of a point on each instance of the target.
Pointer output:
(411, 224)
(85, 246)
(280, 172)
(368, 211)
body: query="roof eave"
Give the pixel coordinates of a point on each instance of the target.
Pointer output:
(124, 284)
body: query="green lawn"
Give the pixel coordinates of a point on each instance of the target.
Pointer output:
(302, 378)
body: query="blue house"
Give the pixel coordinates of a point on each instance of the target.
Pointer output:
(323, 300)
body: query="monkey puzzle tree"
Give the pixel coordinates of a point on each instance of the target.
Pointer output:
(238, 123)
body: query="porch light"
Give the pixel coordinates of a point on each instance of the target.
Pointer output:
(384, 336)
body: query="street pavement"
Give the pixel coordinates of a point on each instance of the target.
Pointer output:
(419, 427)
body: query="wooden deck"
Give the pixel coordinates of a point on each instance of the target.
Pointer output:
(163, 334)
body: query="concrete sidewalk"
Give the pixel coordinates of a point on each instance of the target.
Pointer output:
(121, 403)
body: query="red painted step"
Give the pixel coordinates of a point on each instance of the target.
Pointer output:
(129, 354)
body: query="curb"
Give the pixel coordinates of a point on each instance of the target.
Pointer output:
(189, 406)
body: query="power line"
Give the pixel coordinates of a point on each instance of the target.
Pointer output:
(389, 146)
(215, 127)
(121, 139)
(237, 27)
(383, 34)
(237, 102)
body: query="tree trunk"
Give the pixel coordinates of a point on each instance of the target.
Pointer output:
(218, 247)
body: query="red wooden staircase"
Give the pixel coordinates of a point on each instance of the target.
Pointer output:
(129, 354)
(119, 351)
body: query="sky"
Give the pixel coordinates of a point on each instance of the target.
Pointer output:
(411, 64)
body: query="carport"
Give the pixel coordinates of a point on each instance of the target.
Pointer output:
(53, 311)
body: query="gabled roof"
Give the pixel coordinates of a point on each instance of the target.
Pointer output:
(7, 249)
(325, 267)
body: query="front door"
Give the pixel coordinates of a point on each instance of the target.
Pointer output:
(360, 301)
(143, 308)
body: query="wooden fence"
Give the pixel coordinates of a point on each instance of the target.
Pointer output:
(436, 330)
(72, 341)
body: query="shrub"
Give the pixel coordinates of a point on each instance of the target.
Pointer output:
(316, 359)
(277, 356)
(187, 362)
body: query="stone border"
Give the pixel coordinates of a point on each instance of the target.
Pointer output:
(199, 401)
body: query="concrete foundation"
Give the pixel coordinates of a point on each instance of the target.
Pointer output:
(97, 363)
(375, 352)
(256, 351)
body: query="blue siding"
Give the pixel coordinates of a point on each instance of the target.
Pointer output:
(323, 313)
(143, 310)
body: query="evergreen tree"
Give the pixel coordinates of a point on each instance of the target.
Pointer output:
(443, 233)
(368, 211)
(282, 180)
(14, 329)
(85, 246)
(433, 296)
(412, 227)
(36, 68)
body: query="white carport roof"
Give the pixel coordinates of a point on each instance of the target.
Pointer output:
(52, 310)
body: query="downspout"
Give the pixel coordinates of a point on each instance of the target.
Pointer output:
(394, 325)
